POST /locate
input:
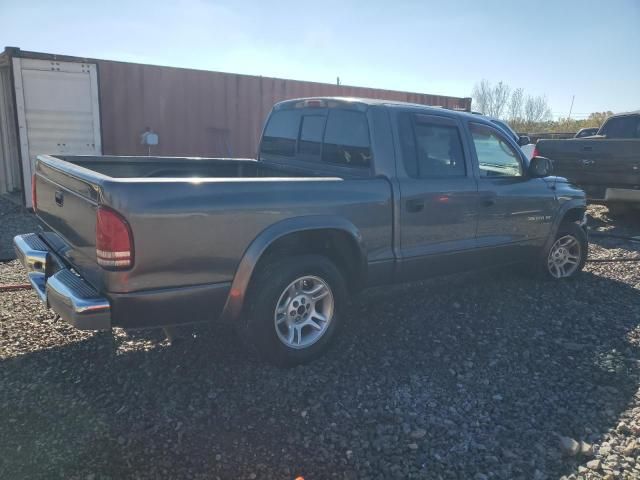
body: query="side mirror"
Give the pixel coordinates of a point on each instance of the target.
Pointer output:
(540, 167)
(523, 140)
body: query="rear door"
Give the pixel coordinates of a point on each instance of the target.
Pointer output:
(439, 195)
(58, 110)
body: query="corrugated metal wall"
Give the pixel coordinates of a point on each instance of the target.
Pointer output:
(9, 158)
(202, 113)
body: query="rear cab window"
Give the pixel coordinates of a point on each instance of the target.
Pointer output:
(281, 133)
(622, 127)
(318, 135)
(346, 140)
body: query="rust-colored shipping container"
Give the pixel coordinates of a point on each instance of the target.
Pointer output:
(205, 113)
(63, 105)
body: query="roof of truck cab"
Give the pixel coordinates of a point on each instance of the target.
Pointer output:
(373, 101)
(624, 114)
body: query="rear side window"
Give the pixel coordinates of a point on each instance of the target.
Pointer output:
(281, 133)
(622, 127)
(431, 149)
(319, 135)
(346, 139)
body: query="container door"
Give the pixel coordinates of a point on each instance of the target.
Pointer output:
(9, 163)
(58, 111)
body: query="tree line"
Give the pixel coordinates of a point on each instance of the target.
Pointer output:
(525, 113)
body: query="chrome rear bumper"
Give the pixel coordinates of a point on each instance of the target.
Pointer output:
(65, 292)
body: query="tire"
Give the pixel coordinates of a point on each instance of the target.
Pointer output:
(272, 285)
(570, 241)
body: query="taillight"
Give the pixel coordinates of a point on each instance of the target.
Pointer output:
(311, 103)
(536, 153)
(114, 242)
(34, 195)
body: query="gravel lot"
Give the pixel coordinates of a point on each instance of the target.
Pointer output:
(14, 220)
(476, 376)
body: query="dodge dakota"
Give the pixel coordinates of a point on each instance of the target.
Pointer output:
(345, 194)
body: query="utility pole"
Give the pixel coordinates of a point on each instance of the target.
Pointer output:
(571, 108)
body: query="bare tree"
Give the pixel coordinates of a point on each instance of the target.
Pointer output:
(516, 104)
(482, 96)
(491, 100)
(536, 109)
(501, 94)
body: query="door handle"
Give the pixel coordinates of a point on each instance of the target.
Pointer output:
(488, 202)
(59, 198)
(587, 149)
(586, 162)
(415, 206)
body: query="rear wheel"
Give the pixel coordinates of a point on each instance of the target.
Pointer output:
(293, 309)
(568, 252)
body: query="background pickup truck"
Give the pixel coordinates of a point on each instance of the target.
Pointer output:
(606, 166)
(345, 194)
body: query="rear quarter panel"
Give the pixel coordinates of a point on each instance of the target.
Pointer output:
(191, 233)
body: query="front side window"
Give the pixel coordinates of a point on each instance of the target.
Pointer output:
(431, 149)
(346, 139)
(496, 157)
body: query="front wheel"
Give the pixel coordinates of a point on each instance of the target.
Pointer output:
(293, 310)
(568, 252)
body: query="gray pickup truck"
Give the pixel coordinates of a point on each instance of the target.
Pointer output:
(606, 166)
(345, 194)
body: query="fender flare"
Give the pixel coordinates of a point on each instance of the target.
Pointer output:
(564, 208)
(252, 255)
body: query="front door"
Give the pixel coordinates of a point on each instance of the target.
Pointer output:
(438, 196)
(515, 211)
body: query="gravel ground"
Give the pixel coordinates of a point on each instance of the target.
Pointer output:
(14, 220)
(475, 376)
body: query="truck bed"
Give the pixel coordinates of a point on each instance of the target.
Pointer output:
(192, 219)
(599, 165)
(180, 167)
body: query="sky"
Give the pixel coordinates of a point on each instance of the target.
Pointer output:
(559, 49)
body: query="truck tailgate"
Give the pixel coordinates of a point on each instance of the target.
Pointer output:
(67, 205)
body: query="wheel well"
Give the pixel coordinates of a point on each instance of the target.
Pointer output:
(573, 215)
(337, 245)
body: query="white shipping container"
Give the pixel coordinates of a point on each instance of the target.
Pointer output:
(9, 166)
(58, 111)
